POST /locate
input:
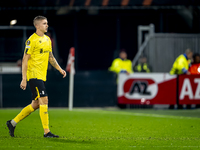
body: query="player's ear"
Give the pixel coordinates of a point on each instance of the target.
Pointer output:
(37, 24)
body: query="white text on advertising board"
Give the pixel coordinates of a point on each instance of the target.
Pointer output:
(188, 89)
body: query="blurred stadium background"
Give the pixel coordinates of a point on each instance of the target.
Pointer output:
(98, 29)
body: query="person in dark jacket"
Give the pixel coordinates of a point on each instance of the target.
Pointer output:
(142, 65)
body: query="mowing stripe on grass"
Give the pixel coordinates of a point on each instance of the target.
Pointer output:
(136, 114)
(170, 146)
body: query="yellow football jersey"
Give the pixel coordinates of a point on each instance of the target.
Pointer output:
(119, 65)
(38, 47)
(180, 63)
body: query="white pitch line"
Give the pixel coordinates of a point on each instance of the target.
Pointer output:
(164, 116)
(168, 146)
(139, 114)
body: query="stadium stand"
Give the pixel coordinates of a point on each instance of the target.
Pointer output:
(53, 3)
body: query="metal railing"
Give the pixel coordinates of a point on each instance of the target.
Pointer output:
(161, 49)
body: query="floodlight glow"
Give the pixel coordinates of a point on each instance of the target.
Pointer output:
(198, 69)
(13, 22)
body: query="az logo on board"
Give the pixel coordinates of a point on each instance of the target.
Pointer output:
(140, 88)
(190, 89)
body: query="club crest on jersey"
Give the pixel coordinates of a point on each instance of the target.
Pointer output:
(28, 42)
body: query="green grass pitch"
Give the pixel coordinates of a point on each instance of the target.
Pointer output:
(105, 129)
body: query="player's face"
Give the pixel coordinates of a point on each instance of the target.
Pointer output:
(197, 59)
(144, 60)
(123, 55)
(190, 55)
(43, 25)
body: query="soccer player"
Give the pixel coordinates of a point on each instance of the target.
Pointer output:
(37, 54)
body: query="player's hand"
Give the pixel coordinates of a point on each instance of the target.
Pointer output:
(23, 85)
(63, 73)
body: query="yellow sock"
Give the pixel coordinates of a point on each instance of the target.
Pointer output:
(44, 116)
(24, 113)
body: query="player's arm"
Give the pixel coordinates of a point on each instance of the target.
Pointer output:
(182, 67)
(55, 64)
(24, 70)
(115, 67)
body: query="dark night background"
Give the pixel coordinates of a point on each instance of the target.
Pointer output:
(98, 33)
(98, 29)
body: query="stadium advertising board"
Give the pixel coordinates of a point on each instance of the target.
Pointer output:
(189, 89)
(147, 88)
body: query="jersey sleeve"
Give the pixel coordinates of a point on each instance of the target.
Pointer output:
(130, 68)
(115, 67)
(29, 47)
(50, 45)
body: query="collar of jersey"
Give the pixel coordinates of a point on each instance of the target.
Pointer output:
(38, 35)
(185, 56)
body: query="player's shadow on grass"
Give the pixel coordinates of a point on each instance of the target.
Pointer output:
(65, 140)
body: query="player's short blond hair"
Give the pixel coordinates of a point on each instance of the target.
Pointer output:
(38, 18)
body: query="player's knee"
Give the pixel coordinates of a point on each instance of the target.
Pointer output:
(43, 100)
(35, 104)
(35, 107)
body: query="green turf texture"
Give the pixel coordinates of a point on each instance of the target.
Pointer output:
(105, 129)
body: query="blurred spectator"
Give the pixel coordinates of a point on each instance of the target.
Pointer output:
(142, 65)
(195, 67)
(121, 64)
(182, 62)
